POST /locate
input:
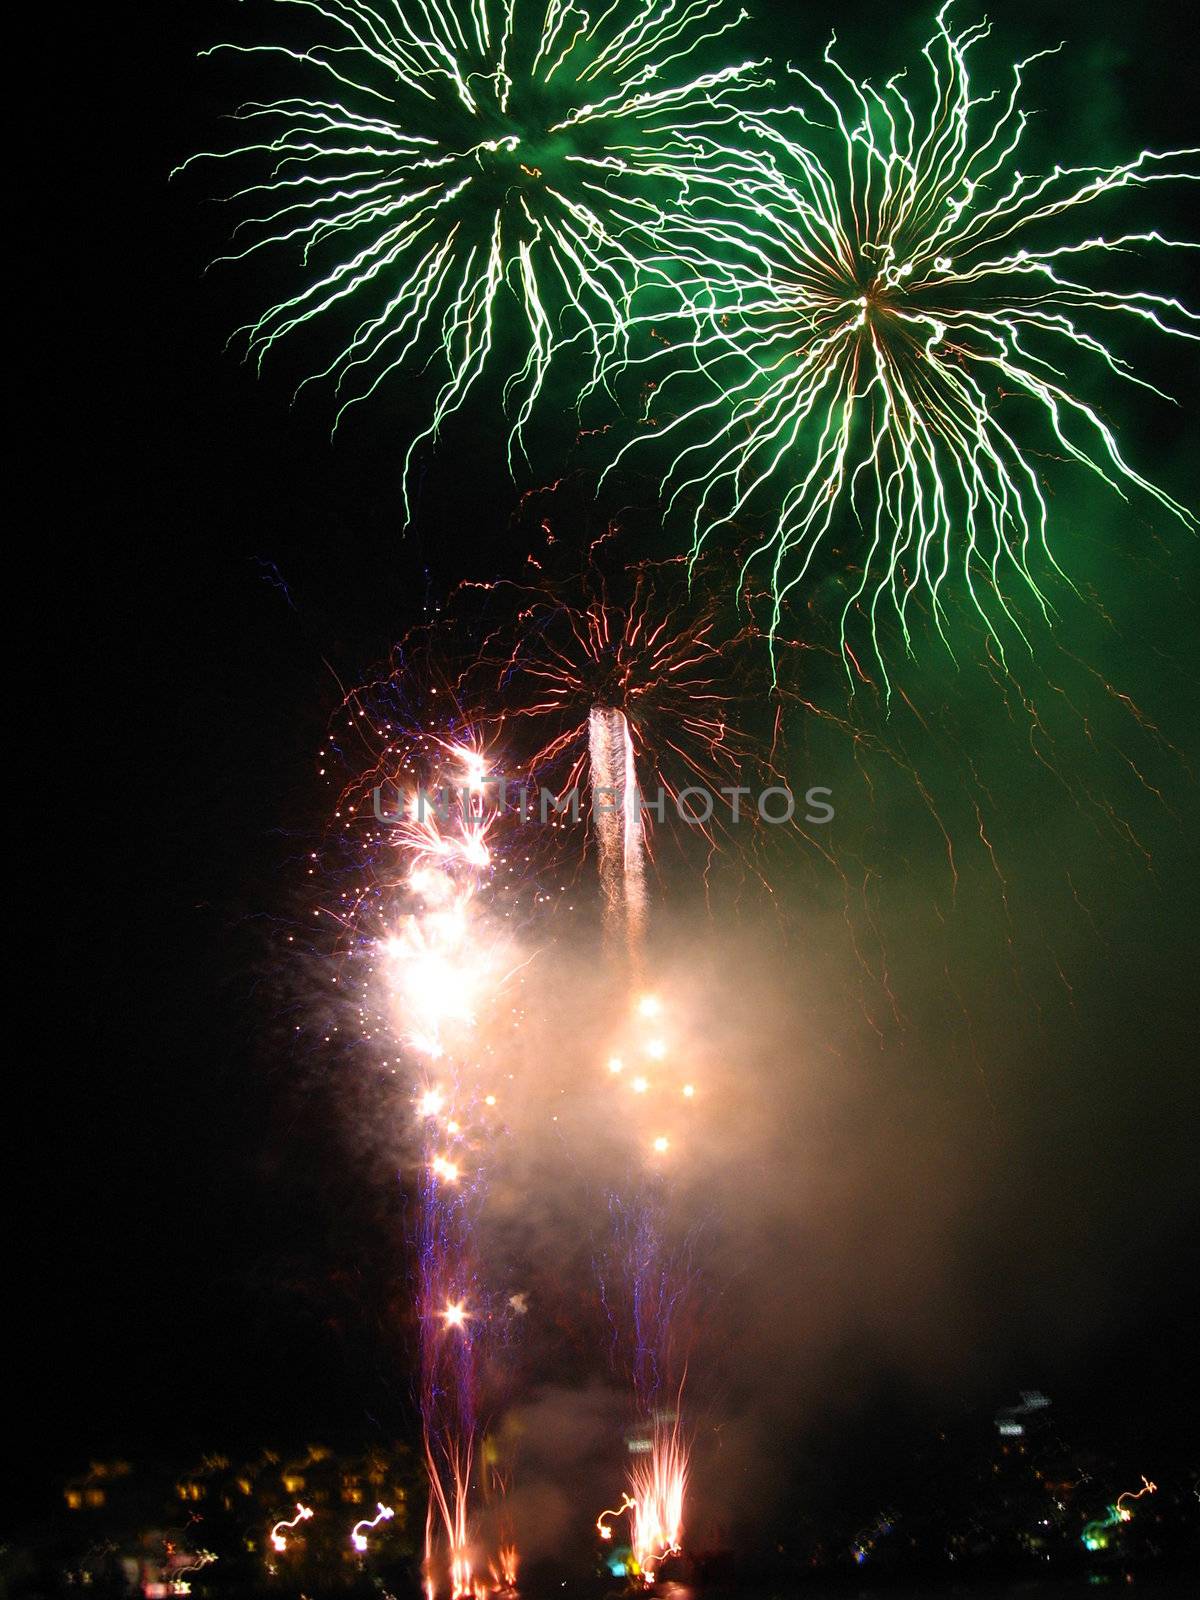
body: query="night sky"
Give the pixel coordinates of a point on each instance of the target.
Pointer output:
(205, 1254)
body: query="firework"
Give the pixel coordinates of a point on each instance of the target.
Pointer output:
(503, 1570)
(654, 1105)
(611, 705)
(655, 1512)
(645, 693)
(647, 1291)
(881, 309)
(463, 180)
(280, 1531)
(437, 968)
(358, 1534)
(620, 842)
(1123, 1511)
(1095, 1534)
(654, 1499)
(199, 1560)
(659, 1480)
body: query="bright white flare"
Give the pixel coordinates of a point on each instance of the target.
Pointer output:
(278, 1536)
(440, 976)
(615, 816)
(358, 1535)
(455, 1314)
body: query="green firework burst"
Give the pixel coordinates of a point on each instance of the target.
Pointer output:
(460, 174)
(883, 309)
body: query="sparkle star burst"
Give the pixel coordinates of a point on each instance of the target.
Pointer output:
(887, 317)
(460, 180)
(636, 643)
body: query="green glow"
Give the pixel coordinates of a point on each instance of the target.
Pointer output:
(465, 178)
(864, 288)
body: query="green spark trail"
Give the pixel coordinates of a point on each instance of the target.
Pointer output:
(445, 174)
(885, 315)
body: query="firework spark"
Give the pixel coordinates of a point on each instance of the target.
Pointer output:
(503, 1570)
(620, 840)
(628, 684)
(1123, 1510)
(881, 306)
(613, 695)
(450, 175)
(280, 1531)
(358, 1534)
(646, 1287)
(1095, 1535)
(438, 966)
(659, 1481)
(654, 1501)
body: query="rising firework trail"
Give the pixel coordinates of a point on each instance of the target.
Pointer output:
(887, 317)
(625, 697)
(631, 686)
(503, 1570)
(437, 966)
(611, 683)
(620, 840)
(647, 1289)
(656, 1499)
(463, 181)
